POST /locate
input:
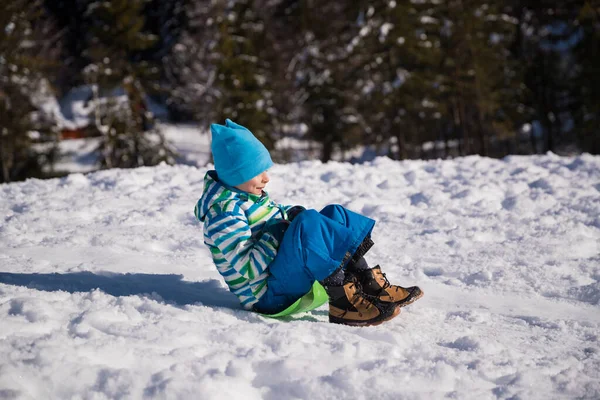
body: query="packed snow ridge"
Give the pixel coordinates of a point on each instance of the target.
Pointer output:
(107, 290)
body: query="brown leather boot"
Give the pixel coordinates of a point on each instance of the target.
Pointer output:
(375, 283)
(348, 305)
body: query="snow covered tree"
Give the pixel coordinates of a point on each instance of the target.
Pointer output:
(27, 43)
(480, 77)
(188, 71)
(71, 19)
(587, 83)
(243, 64)
(440, 72)
(121, 80)
(168, 22)
(222, 66)
(556, 50)
(397, 93)
(320, 73)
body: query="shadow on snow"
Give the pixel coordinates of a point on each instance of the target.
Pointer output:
(171, 288)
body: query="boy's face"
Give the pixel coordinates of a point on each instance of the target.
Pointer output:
(256, 184)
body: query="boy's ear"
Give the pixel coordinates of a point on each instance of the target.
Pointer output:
(230, 124)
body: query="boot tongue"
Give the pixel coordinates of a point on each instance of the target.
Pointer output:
(353, 285)
(356, 294)
(381, 278)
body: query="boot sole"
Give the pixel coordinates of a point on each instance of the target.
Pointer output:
(409, 300)
(341, 321)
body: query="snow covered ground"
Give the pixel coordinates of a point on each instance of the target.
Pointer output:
(107, 291)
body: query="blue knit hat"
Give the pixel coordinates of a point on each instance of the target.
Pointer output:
(238, 155)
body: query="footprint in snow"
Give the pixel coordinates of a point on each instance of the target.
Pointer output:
(463, 343)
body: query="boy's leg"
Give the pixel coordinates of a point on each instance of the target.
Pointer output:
(357, 222)
(312, 248)
(350, 219)
(373, 280)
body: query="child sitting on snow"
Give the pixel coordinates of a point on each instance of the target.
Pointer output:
(270, 255)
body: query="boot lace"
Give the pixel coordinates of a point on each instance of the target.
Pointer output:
(359, 297)
(386, 283)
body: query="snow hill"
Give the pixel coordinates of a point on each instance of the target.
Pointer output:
(107, 291)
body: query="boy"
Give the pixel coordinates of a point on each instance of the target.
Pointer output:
(270, 255)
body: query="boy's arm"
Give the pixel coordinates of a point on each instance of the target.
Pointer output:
(231, 234)
(291, 211)
(286, 207)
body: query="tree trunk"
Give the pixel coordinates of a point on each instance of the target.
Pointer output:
(483, 137)
(549, 134)
(327, 150)
(402, 151)
(446, 140)
(482, 131)
(456, 131)
(533, 141)
(463, 125)
(6, 158)
(546, 108)
(5, 175)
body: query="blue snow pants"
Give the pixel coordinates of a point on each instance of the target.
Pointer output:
(312, 248)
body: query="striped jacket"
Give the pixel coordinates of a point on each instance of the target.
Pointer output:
(241, 248)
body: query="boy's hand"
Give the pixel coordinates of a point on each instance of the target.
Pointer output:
(277, 228)
(294, 211)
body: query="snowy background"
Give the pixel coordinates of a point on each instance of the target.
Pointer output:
(107, 291)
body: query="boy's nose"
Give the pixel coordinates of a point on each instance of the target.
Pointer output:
(265, 178)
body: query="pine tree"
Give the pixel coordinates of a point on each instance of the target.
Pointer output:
(188, 71)
(321, 74)
(121, 80)
(587, 82)
(25, 63)
(168, 22)
(70, 16)
(398, 84)
(552, 69)
(480, 77)
(243, 63)
(222, 66)
(432, 72)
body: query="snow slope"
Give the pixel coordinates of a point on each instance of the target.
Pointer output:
(507, 252)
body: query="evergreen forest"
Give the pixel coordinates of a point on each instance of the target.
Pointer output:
(410, 79)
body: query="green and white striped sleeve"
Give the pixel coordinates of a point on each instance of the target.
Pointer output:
(231, 234)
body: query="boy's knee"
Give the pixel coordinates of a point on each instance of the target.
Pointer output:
(307, 220)
(332, 209)
(308, 215)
